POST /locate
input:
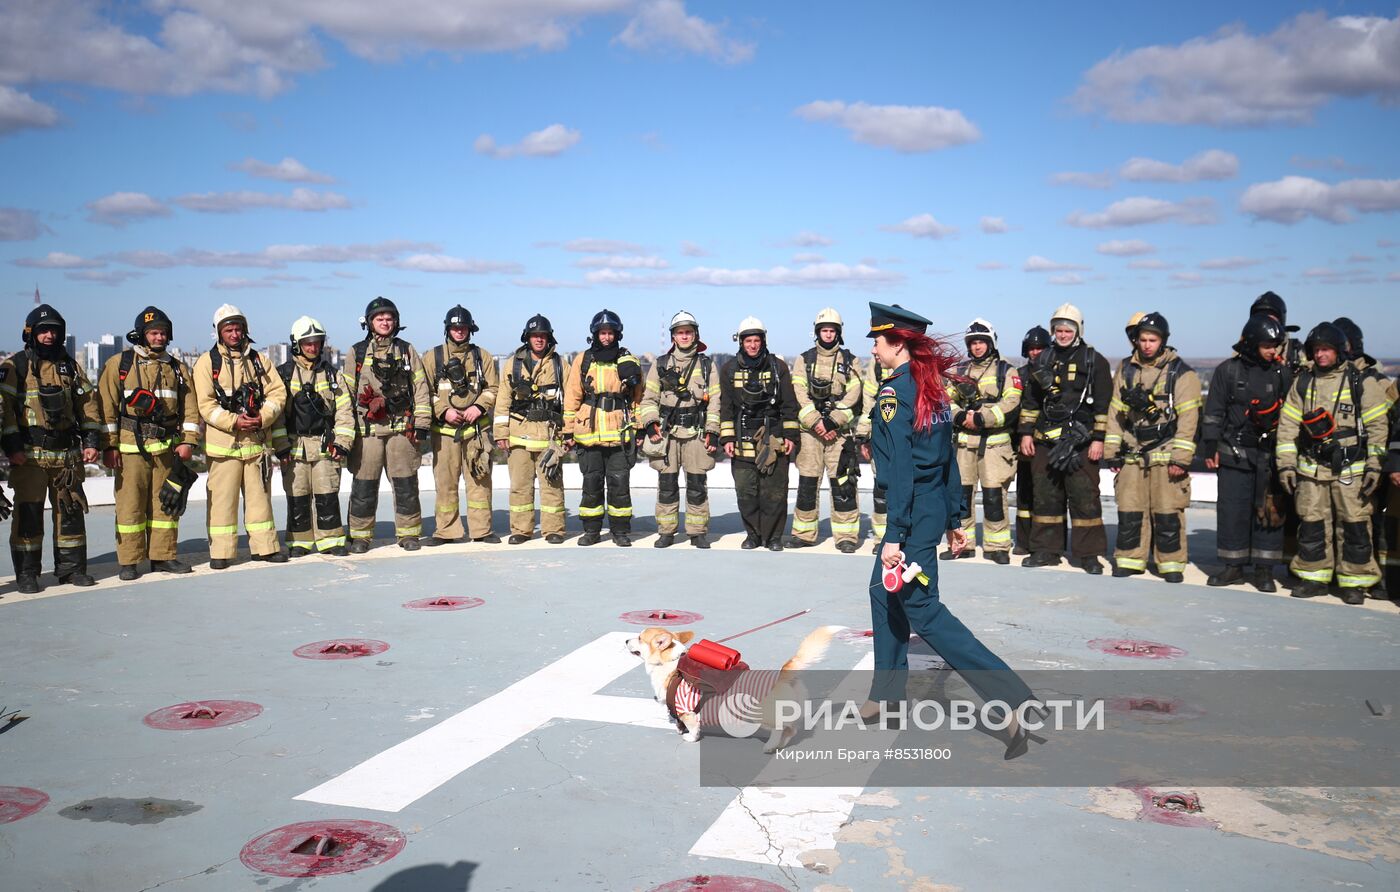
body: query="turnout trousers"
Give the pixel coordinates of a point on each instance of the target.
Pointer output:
(1334, 534)
(691, 457)
(313, 505)
(1151, 518)
(524, 470)
(992, 471)
(762, 498)
(1240, 538)
(232, 479)
(451, 465)
(605, 468)
(917, 608)
(1056, 493)
(144, 530)
(395, 456)
(31, 485)
(815, 458)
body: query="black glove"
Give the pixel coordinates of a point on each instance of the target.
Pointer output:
(711, 440)
(174, 494)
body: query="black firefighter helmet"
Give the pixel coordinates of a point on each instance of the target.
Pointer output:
(1260, 329)
(1326, 334)
(459, 316)
(381, 305)
(147, 319)
(44, 316)
(1356, 347)
(605, 319)
(538, 324)
(1037, 336)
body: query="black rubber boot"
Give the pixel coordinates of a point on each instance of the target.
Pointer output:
(665, 540)
(1228, 576)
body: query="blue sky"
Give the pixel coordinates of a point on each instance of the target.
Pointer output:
(560, 156)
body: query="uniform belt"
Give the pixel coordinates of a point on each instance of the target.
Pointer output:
(607, 402)
(146, 429)
(48, 438)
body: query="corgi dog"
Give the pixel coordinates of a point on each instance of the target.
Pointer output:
(692, 706)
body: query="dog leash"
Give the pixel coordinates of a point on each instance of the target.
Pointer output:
(765, 625)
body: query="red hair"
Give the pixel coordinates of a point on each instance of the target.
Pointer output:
(931, 361)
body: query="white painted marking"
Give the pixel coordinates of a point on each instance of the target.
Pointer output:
(405, 773)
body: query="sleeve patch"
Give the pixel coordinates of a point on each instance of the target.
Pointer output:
(889, 405)
(1016, 381)
(887, 390)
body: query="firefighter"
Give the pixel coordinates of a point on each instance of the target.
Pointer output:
(530, 425)
(1331, 446)
(313, 440)
(463, 381)
(1271, 304)
(1149, 445)
(758, 427)
(600, 417)
(52, 427)
(1239, 428)
(1064, 413)
(1131, 329)
(872, 381)
(985, 396)
(150, 420)
(393, 417)
(1035, 342)
(240, 398)
(827, 382)
(680, 416)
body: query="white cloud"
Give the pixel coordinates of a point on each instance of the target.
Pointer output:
(623, 261)
(236, 284)
(1360, 258)
(288, 170)
(20, 111)
(546, 283)
(59, 260)
(808, 239)
(342, 274)
(993, 225)
(1037, 264)
(810, 258)
(602, 246)
(1139, 211)
(300, 199)
(1152, 263)
(1387, 243)
(1293, 199)
(1331, 162)
(120, 208)
(663, 24)
(1234, 78)
(19, 225)
(1083, 180)
(1320, 272)
(1212, 164)
(691, 249)
(904, 128)
(283, 277)
(111, 277)
(1393, 277)
(1229, 263)
(1189, 278)
(442, 263)
(274, 256)
(922, 226)
(1125, 248)
(817, 275)
(1066, 279)
(547, 143)
(990, 265)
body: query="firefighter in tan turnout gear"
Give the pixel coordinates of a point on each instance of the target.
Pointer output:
(680, 417)
(313, 440)
(984, 415)
(463, 382)
(240, 398)
(393, 415)
(51, 428)
(1150, 443)
(529, 421)
(826, 380)
(1331, 446)
(150, 420)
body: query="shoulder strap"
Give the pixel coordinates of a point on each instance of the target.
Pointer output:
(809, 357)
(285, 371)
(559, 369)
(1003, 369)
(439, 359)
(707, 367)
(21, 360)
(216, 363)
(124, 365)
(476, 359)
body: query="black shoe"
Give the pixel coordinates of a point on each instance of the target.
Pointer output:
(518, 539)
(28, 585)
(997, 557)
(1309, 589)
(338, 551)
(1041, 559)
(555, 538)
(751, 542)
(79, 579)
(174, 565)
(1020, 550)
(294, 553)
(1091, 566)
(359, 546)
(129, 573)
(410, 543)
(699, 541)
(276, 557)
(846, 547)
(775, 545)
(666, 540)
(948, 555)
(218, 563)
(1352, 596)
(1124, 572)
(792, 542)
(1228, 576)
(433, 541)
(875, 548)
(488, 539)
(589, 538)
(622, 540)
(1264, 579)
(1173, 577)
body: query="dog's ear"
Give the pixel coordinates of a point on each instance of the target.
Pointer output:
(663, 641)
(685, 637)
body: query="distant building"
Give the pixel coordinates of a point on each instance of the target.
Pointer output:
(279, 352)
(70, 344)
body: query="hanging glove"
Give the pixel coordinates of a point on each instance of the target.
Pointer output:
(552, 465)
(174, 493)
(1288, 479)
(68, 490)
(373, 403)
(1370, 483)
(6, 507)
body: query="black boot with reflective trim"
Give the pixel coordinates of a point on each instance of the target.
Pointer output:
(590, 537)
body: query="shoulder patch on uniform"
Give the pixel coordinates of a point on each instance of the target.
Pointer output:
(4, 373)
(1015, 380)
(887, 391)
(889, 404)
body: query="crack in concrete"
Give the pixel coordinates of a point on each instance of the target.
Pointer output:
(772, 846)
(204, 872)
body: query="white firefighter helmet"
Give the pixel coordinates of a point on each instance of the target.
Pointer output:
(980, 328)
(306, 327)
(684, 317)
(751, 325)
(226, 313)
(1068, 313)
(829, 316)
